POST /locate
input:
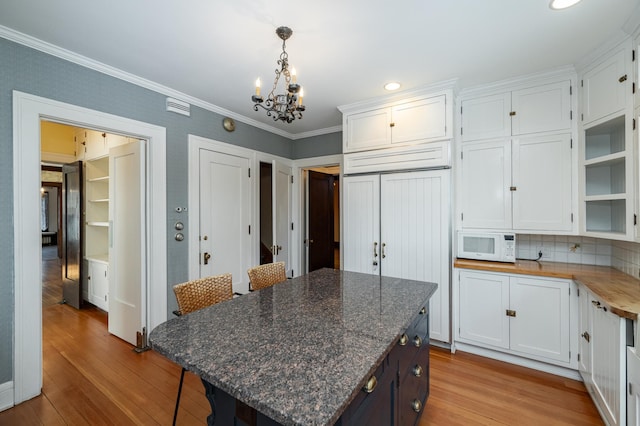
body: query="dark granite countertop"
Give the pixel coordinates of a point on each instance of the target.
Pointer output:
(298, 351)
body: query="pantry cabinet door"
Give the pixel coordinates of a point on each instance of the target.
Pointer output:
(485, 184)
(540, 321)
(542, 198)
(361, 223)
(604, 87)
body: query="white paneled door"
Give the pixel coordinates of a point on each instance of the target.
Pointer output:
(414, 236)
(282, 220)
(225, 216)
(127, 248)
(398, 225)
(361, 222)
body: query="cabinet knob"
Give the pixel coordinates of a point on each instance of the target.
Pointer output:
(416, 405)
(511, 313)
(371, 384)
(623, 79)
(417, 341)
(417, 371)
(423, 311)
(392, 124)
(403, 340)
(586, 336)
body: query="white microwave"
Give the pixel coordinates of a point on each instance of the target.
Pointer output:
(495, 246)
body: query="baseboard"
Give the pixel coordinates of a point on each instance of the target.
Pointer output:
(523, 362)
(6, 396)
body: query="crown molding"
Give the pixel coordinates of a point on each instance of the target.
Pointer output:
(67, 55)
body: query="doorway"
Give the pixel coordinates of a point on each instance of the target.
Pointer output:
(322, 213)
(28, 112)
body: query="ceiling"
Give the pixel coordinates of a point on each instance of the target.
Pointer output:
(343, 50)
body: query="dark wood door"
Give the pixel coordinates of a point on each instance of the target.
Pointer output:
(72, 234)
(320, 215)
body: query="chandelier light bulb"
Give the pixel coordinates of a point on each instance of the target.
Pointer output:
(258, 84)
(300, 95)
(294, 77)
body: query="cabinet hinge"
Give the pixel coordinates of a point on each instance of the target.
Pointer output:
(249, 171)
(291, 178)
(249, 229)
(462, 155)
(569, 354)
(292, 226)
(571, 143)
(461, 131)
(461, 216)
(633, 55)
(581, 117)
(569, 291)
(570, 90)
(634, 123)
(460, 109)
(630, 389)
(635, 219)
(571, 217)
(581, 83)
(633, 87)
(571, 115)
(578, 357)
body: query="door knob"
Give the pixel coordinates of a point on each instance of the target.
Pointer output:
(207, 256)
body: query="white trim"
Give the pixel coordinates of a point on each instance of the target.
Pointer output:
(67, 55)
(28, 110)
(6, 395)
(517, 360)
(298, 203)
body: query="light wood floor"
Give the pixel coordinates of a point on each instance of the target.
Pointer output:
(91, 377)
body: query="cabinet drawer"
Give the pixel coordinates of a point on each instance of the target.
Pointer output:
(414, 390)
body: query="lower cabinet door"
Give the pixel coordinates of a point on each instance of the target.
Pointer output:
(98, 279)
(414, 389)
(484, 299)
(540, 322)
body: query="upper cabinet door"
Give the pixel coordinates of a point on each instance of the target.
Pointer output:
(368, 130)
(604, 87)
(486, 117)
(542, 183)
(486, 181)
(421, 120)
(545, 108)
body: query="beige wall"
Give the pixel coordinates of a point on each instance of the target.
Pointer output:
(57, 138)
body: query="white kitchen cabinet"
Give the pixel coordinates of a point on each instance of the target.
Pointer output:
(607, 175)
(521, 315)
(605, 84)
(98, 282)
(398, 225)
(523, 184)
(633, 386)
(415, 120)
(604, 374)
(537, 109)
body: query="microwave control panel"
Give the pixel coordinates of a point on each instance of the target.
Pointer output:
(509, 247)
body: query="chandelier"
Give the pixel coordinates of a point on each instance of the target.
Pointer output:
(287, 106)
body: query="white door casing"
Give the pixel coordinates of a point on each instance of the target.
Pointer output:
(28, 110)
(225, 216)
(127, 245)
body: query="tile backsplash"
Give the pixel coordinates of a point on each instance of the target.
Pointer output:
(565, 248)
(622, 255)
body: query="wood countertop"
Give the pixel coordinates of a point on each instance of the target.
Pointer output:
(619, 292)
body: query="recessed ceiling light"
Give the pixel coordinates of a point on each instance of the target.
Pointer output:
(394, 85)
(562, 4)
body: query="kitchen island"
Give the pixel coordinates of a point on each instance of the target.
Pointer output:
(330, 347)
